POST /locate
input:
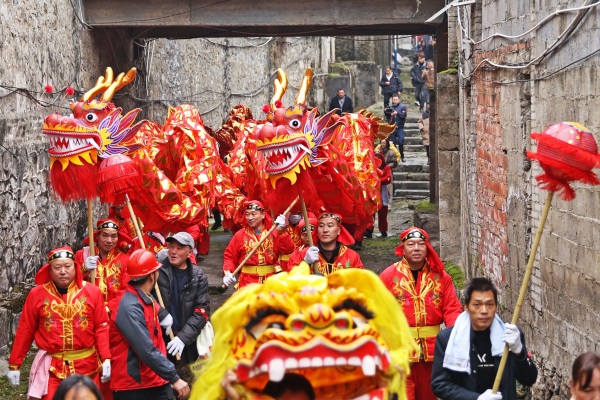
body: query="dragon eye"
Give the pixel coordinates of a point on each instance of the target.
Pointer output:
(91, 117)
(275, 325)
(295, 123)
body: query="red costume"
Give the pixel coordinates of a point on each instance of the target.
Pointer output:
(427, 302)
(346, 258)
(263, 262)
(72, 327)
(111, 274)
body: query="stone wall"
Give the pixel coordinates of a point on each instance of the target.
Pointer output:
(501, 202)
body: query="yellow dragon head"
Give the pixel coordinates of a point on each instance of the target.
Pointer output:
(345, 333)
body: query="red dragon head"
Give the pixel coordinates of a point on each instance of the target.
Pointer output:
(95, 129)
(290, 141)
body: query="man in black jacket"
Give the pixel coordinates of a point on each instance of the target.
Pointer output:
(390, 84)
(417, 80)
(342, 102)
(184, 290)
(467, 355)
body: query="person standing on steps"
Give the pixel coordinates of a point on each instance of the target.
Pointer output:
(390, 84)
(416, 76)
(399, 117)
(424, 129)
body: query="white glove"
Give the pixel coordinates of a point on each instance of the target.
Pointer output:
(312, 254)
(14, 377)
(488, 395)
(281, 221)
(166, 323)
(175, 346)
(512, 337)
(105, 371)
(91, 263)
(228, 279)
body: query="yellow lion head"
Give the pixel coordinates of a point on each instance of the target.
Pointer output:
(345, 333)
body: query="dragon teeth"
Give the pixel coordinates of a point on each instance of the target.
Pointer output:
(276, 370)
(368, 366)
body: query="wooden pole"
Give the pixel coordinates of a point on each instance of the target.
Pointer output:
(90, 216)
(245, 260)
(524, 286)
(138, 232)
(306, 223)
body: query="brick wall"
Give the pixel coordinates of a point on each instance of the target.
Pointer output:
(501, 203)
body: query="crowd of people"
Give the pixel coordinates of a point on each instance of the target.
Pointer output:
(110, 337)
(124, 322)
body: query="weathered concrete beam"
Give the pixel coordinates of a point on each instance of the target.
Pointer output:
(189, 18)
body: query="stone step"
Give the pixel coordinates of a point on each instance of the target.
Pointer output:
(411, 185)
(413, 140)
(411, 194)
(413, 166)
(414, 148)
(411, 176)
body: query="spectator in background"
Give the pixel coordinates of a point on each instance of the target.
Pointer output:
(416, 76)
(399, 117)
(385, 177)
(428, 49)
(424, 129)
(390, 84)
(429, 79)
(585, 377)
(342, 102)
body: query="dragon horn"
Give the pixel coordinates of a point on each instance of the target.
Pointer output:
(306, 82)
(102, 84)
(122, 80)
(280, 85)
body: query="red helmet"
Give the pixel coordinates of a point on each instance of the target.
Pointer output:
(142, 263)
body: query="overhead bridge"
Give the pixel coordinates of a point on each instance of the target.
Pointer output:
(249, 18)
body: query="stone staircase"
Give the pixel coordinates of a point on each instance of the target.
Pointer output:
(411, 178)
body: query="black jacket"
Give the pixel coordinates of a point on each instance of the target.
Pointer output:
(194, 305)
(416, 73)
(347, 107)
(451, 385)
(395, 85)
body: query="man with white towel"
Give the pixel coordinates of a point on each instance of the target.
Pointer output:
(467, 355)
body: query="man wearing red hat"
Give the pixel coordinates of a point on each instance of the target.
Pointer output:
(265, 261)
(427, 296)
(331, 252)
(67, 319)
(141, 368)
(110, 262)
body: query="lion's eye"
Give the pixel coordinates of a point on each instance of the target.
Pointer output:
(295, 123)
(91, 117)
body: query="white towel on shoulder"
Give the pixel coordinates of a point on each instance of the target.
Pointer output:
(457, 357)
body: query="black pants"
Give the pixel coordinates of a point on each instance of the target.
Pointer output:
(164, 392)
(386, 99)
(419, 95)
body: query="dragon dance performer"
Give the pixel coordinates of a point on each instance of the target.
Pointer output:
(293, 229)
(264, 262)
(110, 263)
(331, 253)
(425, 291)
(67, 319)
